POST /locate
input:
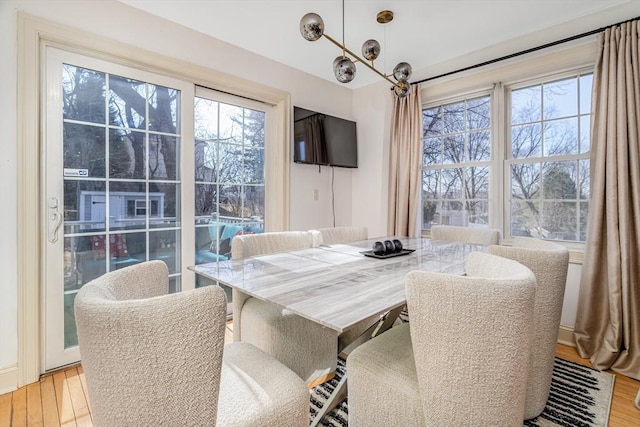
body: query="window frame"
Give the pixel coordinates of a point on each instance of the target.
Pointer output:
(490, 164)
(508, 160)
(517, 76)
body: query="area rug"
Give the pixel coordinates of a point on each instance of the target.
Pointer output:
(579, 397)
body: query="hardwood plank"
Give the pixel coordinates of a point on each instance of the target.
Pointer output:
(19, 408)
(63, 400)
(49, 407)
(67, 391)
(5, 409)
(78, 399)
(34, 406)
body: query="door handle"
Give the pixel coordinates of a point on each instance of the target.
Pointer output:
(54, 220)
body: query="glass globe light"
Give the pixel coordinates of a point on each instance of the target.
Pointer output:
(402, 71)
(402, 88)
(370, 49)
(344, 69)
(311, 26)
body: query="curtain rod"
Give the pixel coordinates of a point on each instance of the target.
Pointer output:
(523, 52)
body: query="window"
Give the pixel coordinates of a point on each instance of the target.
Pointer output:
(456, 158)
(541, 165)
(549, 159)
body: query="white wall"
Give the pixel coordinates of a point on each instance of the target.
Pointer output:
(128, 25)
(8, 190)
(372, 109)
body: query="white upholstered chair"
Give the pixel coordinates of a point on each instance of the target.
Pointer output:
(306, 347)
(462, 360)
(549, 262)
(157, 359)
(335, 235)
(476, 236)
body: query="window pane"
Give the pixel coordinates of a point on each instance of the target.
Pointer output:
(163, 106)
(478, 113)
(84, 150)
(430, 213)
(83, 94)
(561, 98)
(478, 211)
(122, 212)
(526, 105)
(431, 151)
(84, 206)
(127, 154)
(206, 199)
(230, 201)
(583, 182)
(453, 118)
(254, 127)
(559, 180)
(167, 198)
(127, 102)
(559, 220)
(164, 245)
(479, 146)
(432, 122)
(586, 83)
(525, 181)
(477, 183)
(561, 137)
(453, 149)
(430, 184)
(525, 218)
(231, 124)
(206, 119)
(229, 163)
(163, 157)
(254, 203)
(584, 214)
(526, 141)
(253, 166)
(452, 183)
(585, 134)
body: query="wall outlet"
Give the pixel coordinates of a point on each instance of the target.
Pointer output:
(315, 194)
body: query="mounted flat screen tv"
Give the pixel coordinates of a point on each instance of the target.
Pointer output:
(321, 139)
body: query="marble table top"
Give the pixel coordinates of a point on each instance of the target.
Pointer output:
(336, 285)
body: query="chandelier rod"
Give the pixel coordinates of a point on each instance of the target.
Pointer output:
(344, 48)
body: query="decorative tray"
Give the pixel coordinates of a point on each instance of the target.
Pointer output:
(391, 255)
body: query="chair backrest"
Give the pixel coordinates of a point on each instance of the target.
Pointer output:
(335, 235)
(470, 337)
(248, 245)
(549, 262)
(149, 358)
(471, 235)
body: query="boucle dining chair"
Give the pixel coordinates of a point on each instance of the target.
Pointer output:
(470, 235)
(549, 262)
(335, 235)
(306, 347)
(157, 359)
(462, 360)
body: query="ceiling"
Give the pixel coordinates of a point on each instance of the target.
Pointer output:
(424, 33)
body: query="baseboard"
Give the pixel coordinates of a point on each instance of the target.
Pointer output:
(565, 336)
(8, 379)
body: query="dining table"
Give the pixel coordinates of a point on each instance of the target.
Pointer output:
(339, 285)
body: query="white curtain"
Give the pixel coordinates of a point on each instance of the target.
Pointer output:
(405, 165)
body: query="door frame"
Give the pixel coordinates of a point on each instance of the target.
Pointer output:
(34, 35)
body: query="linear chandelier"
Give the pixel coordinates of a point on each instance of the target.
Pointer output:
(344, 68)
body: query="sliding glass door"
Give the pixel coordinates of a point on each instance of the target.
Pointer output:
(113, 182)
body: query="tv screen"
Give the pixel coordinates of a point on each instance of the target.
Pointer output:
(321, 139)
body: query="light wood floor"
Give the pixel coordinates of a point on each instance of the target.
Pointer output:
(60, 398)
